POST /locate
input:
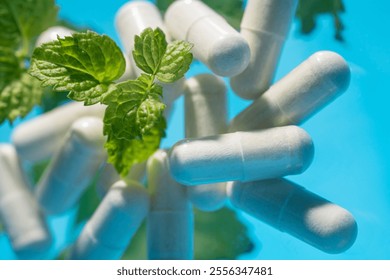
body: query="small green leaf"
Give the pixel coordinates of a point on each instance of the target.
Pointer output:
(123, 153)
(149, 49)
(308, 10)
(19, 97)
(133, 109)
(220, 235)
(176, 62)
(21, 21)
(85, 64)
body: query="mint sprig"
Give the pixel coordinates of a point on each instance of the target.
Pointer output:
(87, 64)
(66, 65)
(21, 21)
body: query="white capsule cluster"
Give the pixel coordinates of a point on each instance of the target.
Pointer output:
(243, 161)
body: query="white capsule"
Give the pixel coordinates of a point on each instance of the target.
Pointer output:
(242, 156)
(131, 19)
(170, 219)
(73, 167)
(300, 94)
(40, 137)
(264, 26)
(296, 211)
(205, 106)
(205, 115)
(109, 231)
(216, 43)
(19, 212)
(108, 176)
(52, 33)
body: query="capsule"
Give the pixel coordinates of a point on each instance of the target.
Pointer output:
(216, 43)
(19, 213)
(300, 94)
(39, 138)
(52, 33)
(170, 222)
(205, 115)
(108, 176)
(290, 208)
(131, 19)
(73, 167)
(242, 156)
(110, 229)
(264, 26)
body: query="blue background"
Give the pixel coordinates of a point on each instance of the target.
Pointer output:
(351, 136)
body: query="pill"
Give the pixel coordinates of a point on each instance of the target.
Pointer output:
(52, 33)
(264, 26)
(216, 43)
(205, 115)
(133, 18)
(290, 208)
(300, 94)
(19, 213)
(242, 156)
(170, 222)
(108, 232)
(73, 167)
(37, 139)
(108, 176)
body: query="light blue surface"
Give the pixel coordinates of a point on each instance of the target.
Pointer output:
(351, 136)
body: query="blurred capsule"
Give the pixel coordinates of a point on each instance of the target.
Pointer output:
(108, 176)
(39, 138)
(264, 26)
(300, 94)
(19, 212)
(242, 156)
(290, 208)
(170, 222)
(205, 115)
(73, 167)
(109, 231)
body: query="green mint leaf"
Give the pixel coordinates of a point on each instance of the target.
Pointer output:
(309, 10)
(134, 109)
(9, 67)
(19, 97)
(124, 153)
(85, 64)
(149, 49)
(220, 235)
(21, 21)
(9, 32)
(175, 62)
